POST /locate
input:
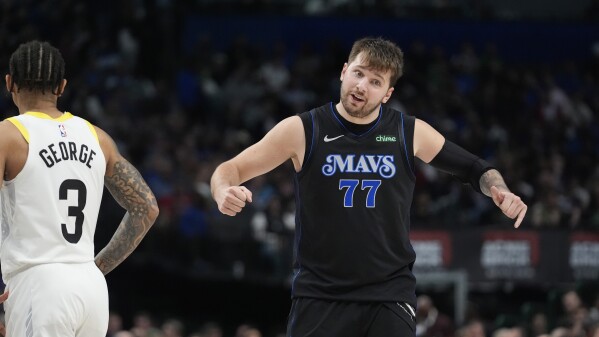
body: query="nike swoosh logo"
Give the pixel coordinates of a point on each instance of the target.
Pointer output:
(327, 139)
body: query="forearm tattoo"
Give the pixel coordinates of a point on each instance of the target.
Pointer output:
(131, 191)
(492, 178)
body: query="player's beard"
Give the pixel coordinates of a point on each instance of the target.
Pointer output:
(364, 108)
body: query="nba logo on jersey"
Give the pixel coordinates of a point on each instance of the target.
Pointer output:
(63, 130)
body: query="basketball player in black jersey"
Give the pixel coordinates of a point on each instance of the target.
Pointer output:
(354, 180)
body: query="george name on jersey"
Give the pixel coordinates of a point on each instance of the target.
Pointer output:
(55, 153)
(379, 164)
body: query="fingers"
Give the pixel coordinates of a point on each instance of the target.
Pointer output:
(520, 217)
(497, 195)
(242, 193)
(4, 296)
(234, 200)
(513, 207)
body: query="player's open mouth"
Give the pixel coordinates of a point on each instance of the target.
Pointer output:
(356, 98)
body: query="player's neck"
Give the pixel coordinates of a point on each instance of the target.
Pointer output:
(38, 103)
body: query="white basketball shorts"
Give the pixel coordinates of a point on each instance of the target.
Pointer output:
(57, 299)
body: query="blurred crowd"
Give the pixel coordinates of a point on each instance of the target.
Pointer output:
(563, 314)
(177, 115)
(587, 10)
(145, 325)
(568, 316)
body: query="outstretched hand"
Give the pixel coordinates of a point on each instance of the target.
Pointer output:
(510, 204)
(233, 199)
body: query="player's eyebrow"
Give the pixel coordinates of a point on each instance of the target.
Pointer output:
(376, 73)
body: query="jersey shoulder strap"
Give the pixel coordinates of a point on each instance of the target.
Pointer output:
(406, 141)
(311, 131)
(22, 129)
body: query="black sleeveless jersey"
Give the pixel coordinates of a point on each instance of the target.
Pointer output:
(353, 200)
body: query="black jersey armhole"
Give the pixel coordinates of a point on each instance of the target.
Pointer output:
(406, 142)
(310, 123)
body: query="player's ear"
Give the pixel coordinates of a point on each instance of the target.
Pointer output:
(388, 94)
(8, 79)
(343, 71)
(61, 87)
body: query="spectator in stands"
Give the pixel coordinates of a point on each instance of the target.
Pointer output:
(538, 324)
(474, 328)
(210, 329)
(115, 324)
(247, 330)
(430, 322)
(594, 330)
(172, 328)
(124, 333)
(143, 326)
(575, 314)
(502, 332)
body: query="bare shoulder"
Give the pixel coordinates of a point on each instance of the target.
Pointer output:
(13, 149)
(292, 123)
(423, 130)
(10, 134)
(288, 134)
(289, 128)
(427, 141)
(420, 124)
(8, 129)
(103, 137)
(106, 143)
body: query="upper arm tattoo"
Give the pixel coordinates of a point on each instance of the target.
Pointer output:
(129, 188)
(131, 191)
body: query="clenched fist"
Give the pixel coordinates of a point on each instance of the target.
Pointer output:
(233, 199)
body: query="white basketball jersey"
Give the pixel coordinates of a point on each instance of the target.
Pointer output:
(50, 209)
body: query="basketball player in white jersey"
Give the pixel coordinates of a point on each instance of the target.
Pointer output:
(54, 167)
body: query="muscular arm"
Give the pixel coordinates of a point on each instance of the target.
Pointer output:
(285, 141)
(13, 153)
(428, 143)
(455, 160)
(131, 192)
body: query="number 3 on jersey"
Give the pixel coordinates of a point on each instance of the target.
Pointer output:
(351, 184)
(74, 211)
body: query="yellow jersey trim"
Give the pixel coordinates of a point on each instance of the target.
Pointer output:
(64, 117)
(19, 126)
(93, 130)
